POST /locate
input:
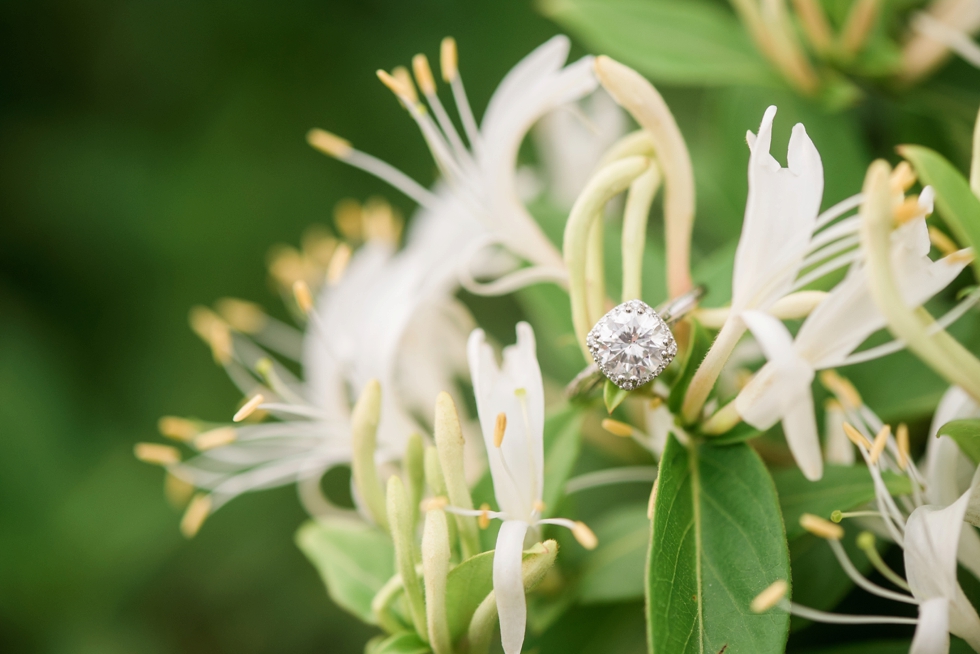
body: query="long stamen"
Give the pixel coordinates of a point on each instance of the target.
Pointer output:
(341, 149)
(838, 618)
(821, 271)
(585, 536)
(866, 541)
(621, 475)
(838, 210)
(427, 84)
(863, 582)
(829, 250)
(449, 60)
(248, 408)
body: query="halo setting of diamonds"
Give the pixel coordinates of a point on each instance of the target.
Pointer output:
(631, 344)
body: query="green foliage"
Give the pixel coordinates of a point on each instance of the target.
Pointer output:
(718, 541)
(700, 343)
(613, 395)
(468, 584)
(614, 571)
(840, 489)
(957, 204)
(404, 643)
(966, 433)
(354, 559)
(691, 42)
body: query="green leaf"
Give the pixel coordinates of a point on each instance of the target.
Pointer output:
(966, 433)
(840, 489)
(718, 541)
(614, 571)
(696, 351)
(689, 42)
(613, 395)
(957, 204)
(740, 433)
(354, 560)
(406, 642)
(468, 584)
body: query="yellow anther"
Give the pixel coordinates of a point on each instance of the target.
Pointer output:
(584, 535)
(249, 407)
(177, 491)
(433, 503)
(909, 209)
(484, 519)
(856, 437)
(401, 74)
(286, 265)
(303, 296)
(449, 59)
(902, 439)
(246, 317)
(329, 144)
(318, 245)
(820, 527)
(881, 439)
(347, 216)
(942, 242)
(338, 264)
(770, 597)
(396, 85)
(381, 223)
(195, 515)
(539, 506)
(499, 428)
(213, 331)
(180, 429)
(656, 402)
(423, 74)
(157, 454)
(842, 388)
(902, 178)
(617, 428)
(215, 438)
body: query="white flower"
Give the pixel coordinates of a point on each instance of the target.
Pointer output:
(510, 403)
(932, 537)
(391, 315)
(948, 471)
(780, 391)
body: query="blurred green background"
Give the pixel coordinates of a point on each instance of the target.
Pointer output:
(150, 154)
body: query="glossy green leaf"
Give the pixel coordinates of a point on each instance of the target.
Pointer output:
(958, 206)
(677, 41)
(468, 584)
(354, 559)
(698, 348)
(718, 541)
(966, 433)
(740, 433)
(614, 571)
(613, 395)
(840, 489)
(404, 643)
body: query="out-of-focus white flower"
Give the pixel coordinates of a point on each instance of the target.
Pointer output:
(780, 391)
(510, 403)
(572, 139)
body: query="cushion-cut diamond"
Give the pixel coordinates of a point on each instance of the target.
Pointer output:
(631, 344)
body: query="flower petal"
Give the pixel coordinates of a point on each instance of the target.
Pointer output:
(508, 585)
(932, 633)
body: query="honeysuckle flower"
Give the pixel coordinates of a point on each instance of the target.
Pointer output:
(945, 27)
(948, 471)
(780, 218)
(780, 391)
(510, 404)
(478, 196)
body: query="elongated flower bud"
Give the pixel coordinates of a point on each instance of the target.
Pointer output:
(364, 421)
(435, 571)
(402, 533)
(449, 444)
(414, 465)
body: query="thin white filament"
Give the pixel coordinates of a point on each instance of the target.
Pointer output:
(466, 113)
(838, 210)
(394, 177)
(622, 475)
(861, 580)
(838, 618)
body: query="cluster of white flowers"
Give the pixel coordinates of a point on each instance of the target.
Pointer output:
(388, 316)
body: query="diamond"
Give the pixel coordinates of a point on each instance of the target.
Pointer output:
(631, 344)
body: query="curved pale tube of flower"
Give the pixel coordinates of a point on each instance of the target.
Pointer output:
(947, 470)
(946, 26)
(834, 329)
(932, 537)
(780, 218)
(510, 404)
